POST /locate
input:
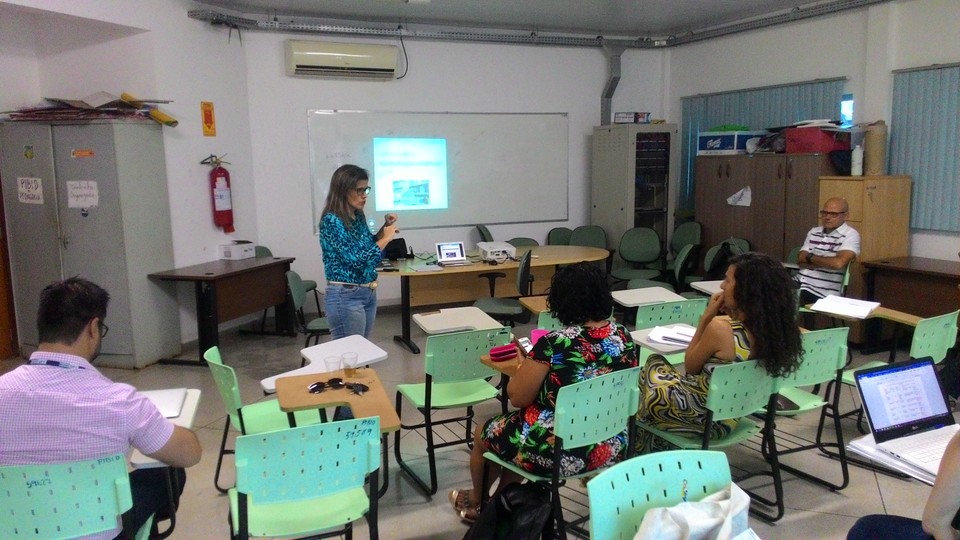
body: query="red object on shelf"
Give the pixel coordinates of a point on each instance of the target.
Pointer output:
(813, 140)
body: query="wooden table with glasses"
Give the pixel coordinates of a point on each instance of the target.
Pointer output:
(462, 284)
(293, 395)
(367, 353)
(226, 290)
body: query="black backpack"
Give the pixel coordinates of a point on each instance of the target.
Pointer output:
(518, 512)
(720, 262)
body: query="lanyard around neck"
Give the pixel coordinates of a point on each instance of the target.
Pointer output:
(54, 363)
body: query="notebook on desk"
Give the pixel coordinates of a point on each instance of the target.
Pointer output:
(168, 401)
(908, 411)
(451, 254)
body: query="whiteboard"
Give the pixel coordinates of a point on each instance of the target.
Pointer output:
(495, 167)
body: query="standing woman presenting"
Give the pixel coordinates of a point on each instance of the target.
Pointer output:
(351, 253)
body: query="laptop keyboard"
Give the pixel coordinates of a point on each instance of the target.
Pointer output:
(925, 447)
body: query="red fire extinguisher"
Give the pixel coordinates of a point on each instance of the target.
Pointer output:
(220, 193)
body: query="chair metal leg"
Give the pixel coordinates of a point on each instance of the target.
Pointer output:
(223, 451)
(768, 446)
(430, 490)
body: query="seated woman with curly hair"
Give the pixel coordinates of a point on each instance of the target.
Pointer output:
(754, 316)
(589, 345)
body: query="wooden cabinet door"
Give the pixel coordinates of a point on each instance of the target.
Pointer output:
(768, 185)
(716, 179)
(801, 211)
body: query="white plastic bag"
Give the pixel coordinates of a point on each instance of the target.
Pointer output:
(720, 516)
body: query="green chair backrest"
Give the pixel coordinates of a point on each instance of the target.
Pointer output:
(622, 494)
(682, 264)
(794, 256)
(682, 311)
(524, 278)
(485, 235)
(739, 389)
(297, 291)
(589, 236)
(596, 409)
(547, 321)
(307, 462)
(688, 232)
(262, 251)
(63, 500)
(456, 356)
(559, 236)
(521, 241)
(640, 245)
(226, 379)
(739, 245)
(934, 336)
(824, 353)
(709, 256)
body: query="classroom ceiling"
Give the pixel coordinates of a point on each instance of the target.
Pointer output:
(655, 22)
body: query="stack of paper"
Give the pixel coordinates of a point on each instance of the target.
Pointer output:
(845, 307)
(672, 335)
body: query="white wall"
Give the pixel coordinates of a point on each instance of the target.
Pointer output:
(864, 45)
(71, 48)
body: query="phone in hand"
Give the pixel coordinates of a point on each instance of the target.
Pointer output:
(525, 344)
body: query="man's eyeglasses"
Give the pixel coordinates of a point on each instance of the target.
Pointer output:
(824, 213)
(103, 330)
(363, 190)
(337, 383)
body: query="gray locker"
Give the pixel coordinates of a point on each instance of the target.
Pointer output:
(91, 200)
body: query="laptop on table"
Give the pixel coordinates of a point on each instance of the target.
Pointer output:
(908, 412)
(451, 254)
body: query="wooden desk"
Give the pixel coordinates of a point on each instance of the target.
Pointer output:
(367, 353)
(535, 304)
(226, 290)
(460, 283)
(644, 296)
(292, 396)
(707, 287)
(455, 320)
(508, 368)
(917, 285)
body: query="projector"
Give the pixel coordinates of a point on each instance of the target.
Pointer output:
(496, 251)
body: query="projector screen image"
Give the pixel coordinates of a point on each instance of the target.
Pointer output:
(409, 174)
(446, 169)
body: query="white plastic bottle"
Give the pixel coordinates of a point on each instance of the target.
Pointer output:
(856, 161)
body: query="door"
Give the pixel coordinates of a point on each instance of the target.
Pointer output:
(30, 208)
(91, 221)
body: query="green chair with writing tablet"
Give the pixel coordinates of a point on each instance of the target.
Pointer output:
(65, 500)
(667, 313)
(305, 481)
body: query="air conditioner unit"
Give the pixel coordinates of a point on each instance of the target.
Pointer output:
(334, 59)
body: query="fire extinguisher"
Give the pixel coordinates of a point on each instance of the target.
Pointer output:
(220, 193)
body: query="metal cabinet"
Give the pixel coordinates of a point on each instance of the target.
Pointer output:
(90, 200)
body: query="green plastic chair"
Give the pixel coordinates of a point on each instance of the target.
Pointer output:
(666, 313)
(739, 245)
(586, 413)
(315, 327)
(547, 321)
(65, 500)
(736, 391)
(309, 285)
(824, 355)
(522, 241)
(485, 235)
(559, 236)
(682, 265)
(707, 262)
(932, 337)
(688, 232)
(304, 480)
(253, 418)
(622, 494)
(455, 379)
(508, 310)
(589, 236)
(639, 247)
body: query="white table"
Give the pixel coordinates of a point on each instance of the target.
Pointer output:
(708, 287)
(640, 338)
(647, 295)
(187, 413)
(456, 319)
(367, 353)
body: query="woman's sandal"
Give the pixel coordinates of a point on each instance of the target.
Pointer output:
(460, 499)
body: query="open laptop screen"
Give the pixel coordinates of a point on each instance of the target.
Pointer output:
(450, 252)
(903, 398)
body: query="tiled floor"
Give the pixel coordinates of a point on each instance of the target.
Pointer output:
(812, 511)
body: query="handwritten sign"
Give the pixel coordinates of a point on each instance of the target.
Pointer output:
(82, 194)
(38, 483)
(29, 190)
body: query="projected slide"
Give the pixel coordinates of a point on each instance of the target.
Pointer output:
(409, 174)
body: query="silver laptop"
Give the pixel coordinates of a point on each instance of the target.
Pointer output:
(908, 411)
(169, 401)
(451, 254)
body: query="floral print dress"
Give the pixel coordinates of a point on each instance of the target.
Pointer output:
(525, 437)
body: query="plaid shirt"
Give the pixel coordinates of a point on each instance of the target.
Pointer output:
(60, 408)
